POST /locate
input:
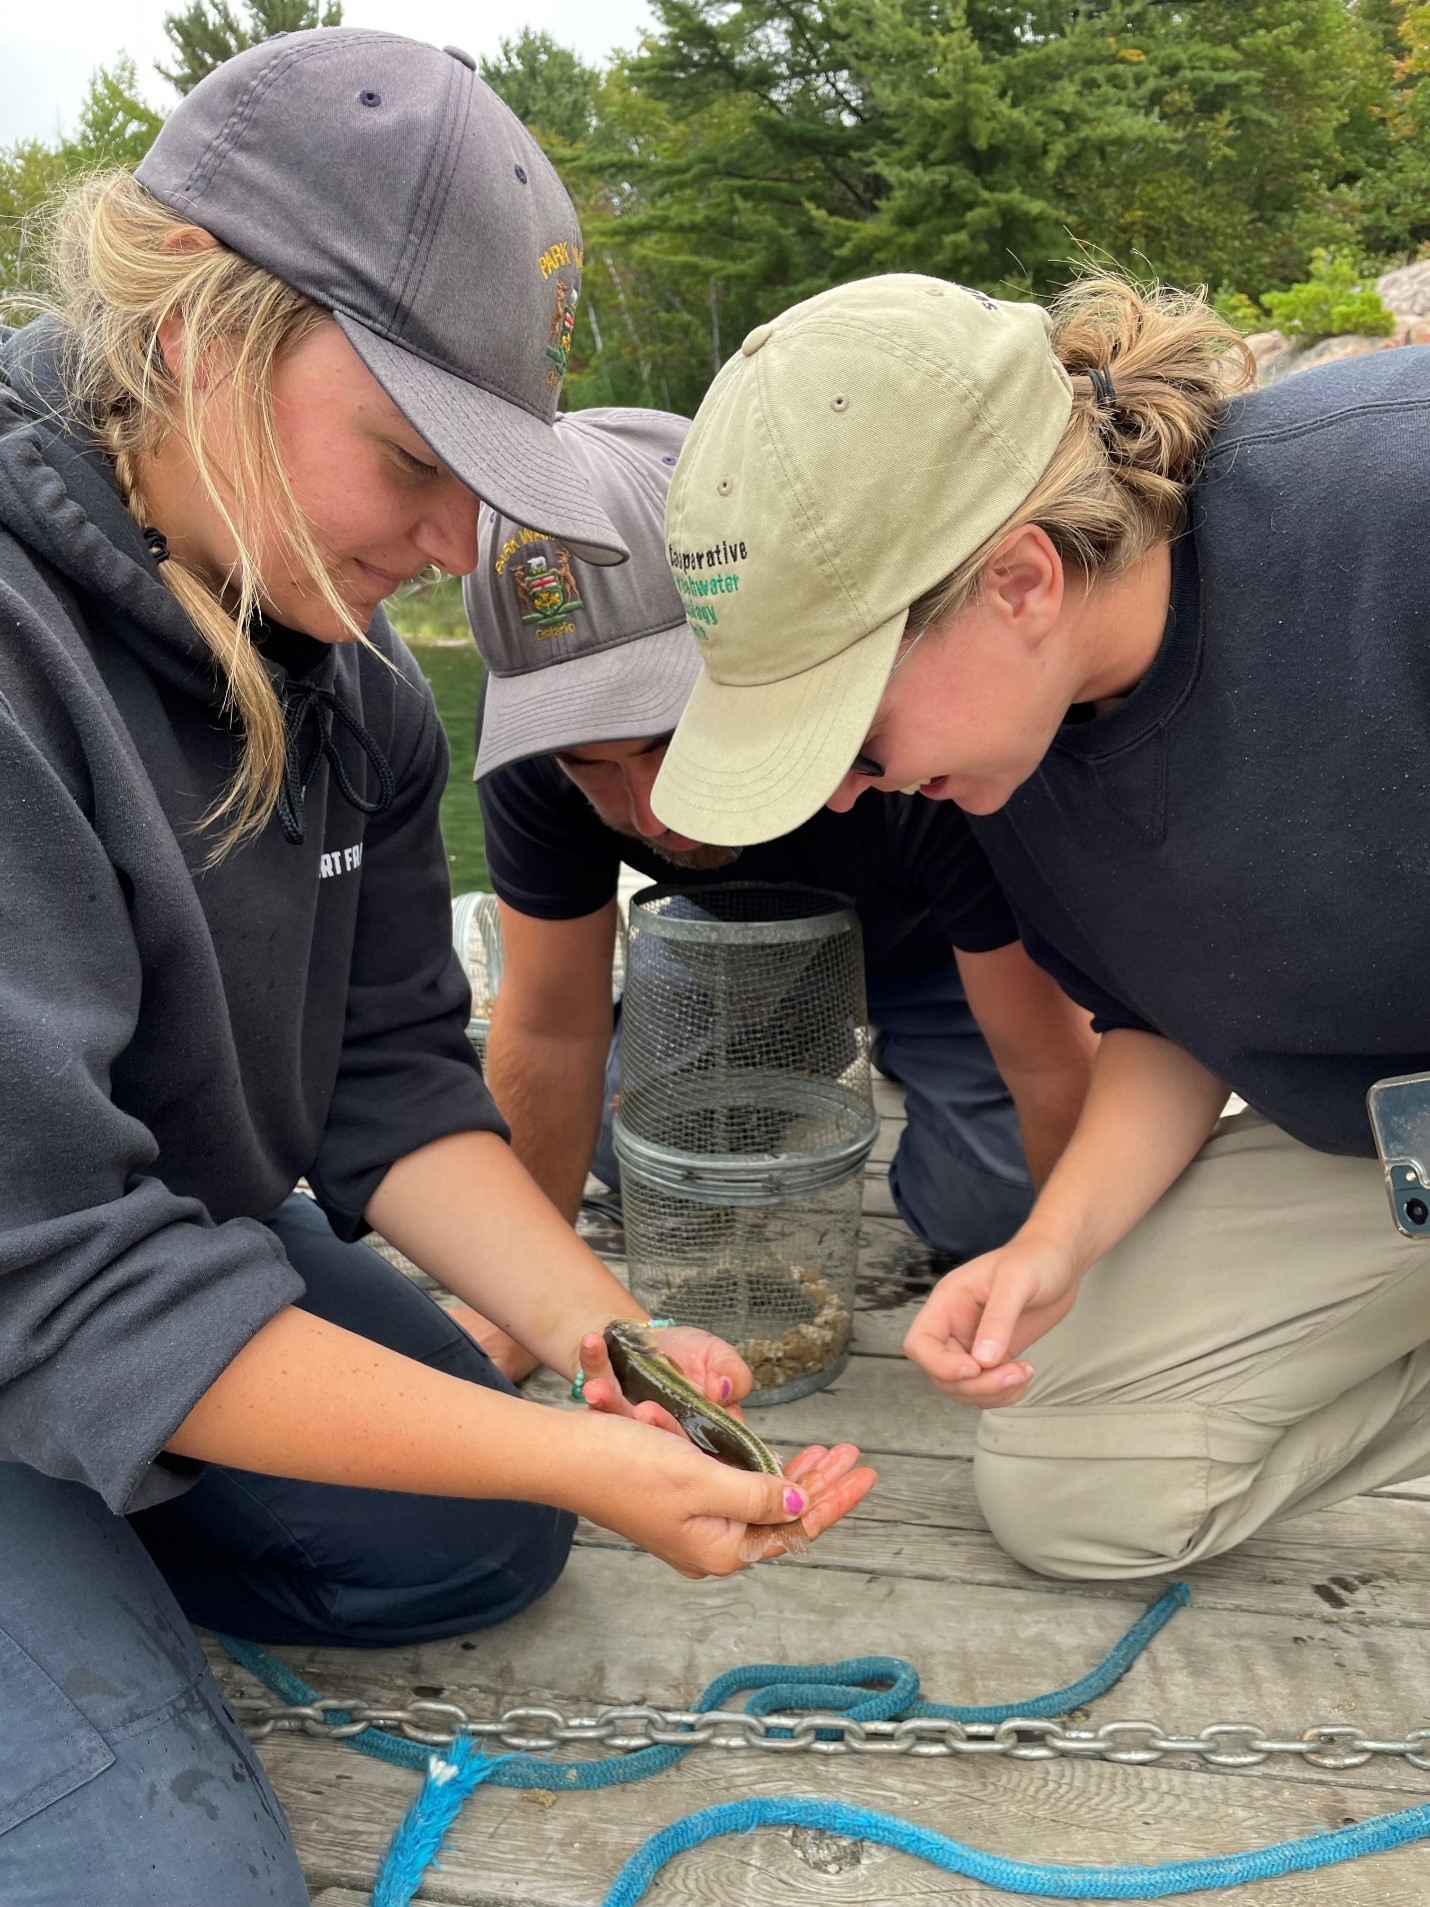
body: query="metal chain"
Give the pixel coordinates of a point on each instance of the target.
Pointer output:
(536, 1729)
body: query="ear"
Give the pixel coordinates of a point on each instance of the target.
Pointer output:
(184, 238)
(1023, 583)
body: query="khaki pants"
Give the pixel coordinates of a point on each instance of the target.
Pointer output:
(1257, 1347)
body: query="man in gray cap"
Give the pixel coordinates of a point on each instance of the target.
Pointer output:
(588, 671)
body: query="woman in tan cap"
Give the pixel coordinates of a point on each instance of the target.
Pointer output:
(284, 361)
(1167, 643)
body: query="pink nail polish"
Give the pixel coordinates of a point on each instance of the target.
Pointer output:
(724, 1390)
(794, 1502)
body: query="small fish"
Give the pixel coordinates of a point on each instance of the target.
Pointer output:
(647, 1376)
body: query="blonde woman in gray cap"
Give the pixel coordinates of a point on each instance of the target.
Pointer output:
(330, 311)
(1166, 643)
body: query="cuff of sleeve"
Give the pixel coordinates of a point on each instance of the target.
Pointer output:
(209, 1346)
(567, 906)
(988, 942)
(344, 1195)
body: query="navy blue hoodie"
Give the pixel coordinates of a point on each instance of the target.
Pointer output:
(178, 1045)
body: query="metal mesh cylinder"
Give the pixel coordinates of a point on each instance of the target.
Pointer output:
(745, 1119)
(477, 937)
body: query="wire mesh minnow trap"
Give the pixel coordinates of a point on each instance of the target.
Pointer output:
(745, 1119)
(477, 937)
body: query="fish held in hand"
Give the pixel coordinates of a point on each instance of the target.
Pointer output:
(646, 1376)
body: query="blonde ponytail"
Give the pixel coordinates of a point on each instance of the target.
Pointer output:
(120, 268)
(1151, 371)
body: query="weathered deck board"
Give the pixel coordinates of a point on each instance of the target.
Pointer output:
(878, 1199)
(1363, 1561)
(884, 1147)
(619, 1628)
(1324, 1618)
(1416, 1489)
(509, 1849)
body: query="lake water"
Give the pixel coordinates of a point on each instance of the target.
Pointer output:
(435, 629)
(454, 670)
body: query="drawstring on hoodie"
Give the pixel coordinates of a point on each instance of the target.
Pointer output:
(300, 700)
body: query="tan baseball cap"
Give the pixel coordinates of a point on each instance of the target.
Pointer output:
(849, 457)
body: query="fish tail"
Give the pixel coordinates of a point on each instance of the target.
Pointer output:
(795, 1537)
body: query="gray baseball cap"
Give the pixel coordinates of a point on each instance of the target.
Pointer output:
(386, 181)
(576, 654)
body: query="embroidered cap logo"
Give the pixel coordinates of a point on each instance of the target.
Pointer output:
(545, 588)
(563, 325)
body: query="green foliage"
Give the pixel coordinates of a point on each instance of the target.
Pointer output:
(1221, 154)
(1241, 312)
(546, 86)
(750, 152)
(30, 173)
(207, 32)
(1335, 300)
(753, 151)
(429, 612)
(436, 632)
(115, 128)
(1395, 197)
(1195, 143)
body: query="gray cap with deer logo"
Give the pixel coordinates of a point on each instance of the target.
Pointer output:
(578, 654)
(390, 184)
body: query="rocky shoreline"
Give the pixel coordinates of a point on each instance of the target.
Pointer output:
(1406, 291)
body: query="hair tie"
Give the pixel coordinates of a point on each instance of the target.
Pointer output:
(157, 542)
(1102, 387)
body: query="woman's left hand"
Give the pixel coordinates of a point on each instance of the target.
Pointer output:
(715, 1368)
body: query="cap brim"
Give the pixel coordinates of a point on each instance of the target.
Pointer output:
(510, 458)
(617, 695)
(750, 764)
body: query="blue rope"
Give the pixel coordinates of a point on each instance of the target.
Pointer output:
(1040, 1878)
(420, 1834)
(864, 1689)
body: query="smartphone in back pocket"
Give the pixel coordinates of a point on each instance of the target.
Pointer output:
(1400, 1120)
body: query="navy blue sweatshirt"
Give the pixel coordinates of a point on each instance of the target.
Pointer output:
(179, 1045)
(1238, 855)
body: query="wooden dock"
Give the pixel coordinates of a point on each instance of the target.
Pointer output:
(1325, 1619)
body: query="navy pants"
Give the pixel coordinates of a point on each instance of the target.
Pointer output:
(124, 1779)
(959, 1178)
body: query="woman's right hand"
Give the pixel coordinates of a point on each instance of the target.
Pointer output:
(700, 1515)
(981, 1316)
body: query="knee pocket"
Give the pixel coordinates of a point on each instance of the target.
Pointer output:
(183, 1815)
(1096, 1495)
(47, 1746)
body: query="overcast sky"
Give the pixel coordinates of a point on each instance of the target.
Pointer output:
(48, 48)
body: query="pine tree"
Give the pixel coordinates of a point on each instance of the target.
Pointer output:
(547, 86)
(1396, 196)
(115, 127)
(1219, 142)
(208, 32)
